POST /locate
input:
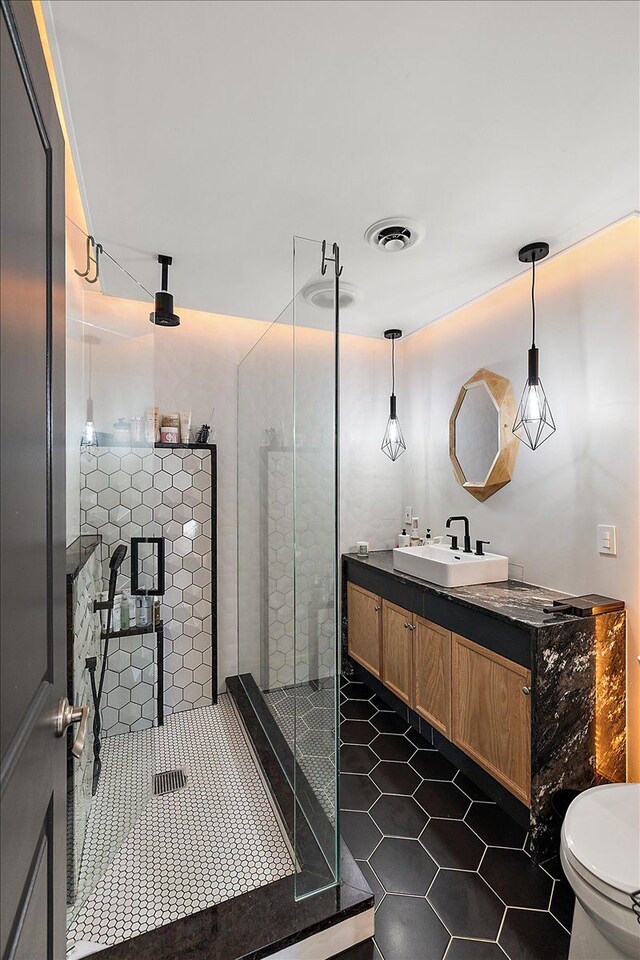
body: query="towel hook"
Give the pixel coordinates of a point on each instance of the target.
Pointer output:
(335, 259)
(91, 260)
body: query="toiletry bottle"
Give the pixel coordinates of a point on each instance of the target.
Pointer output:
(427, 535)
(115, 616)
(404, 540)
(124, 612)
(407, 518)
(415, 533)
(132, 611)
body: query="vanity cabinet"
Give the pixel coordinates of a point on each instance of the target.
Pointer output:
(364, 611)
(491, 714)
(398, 627)
(432, 674)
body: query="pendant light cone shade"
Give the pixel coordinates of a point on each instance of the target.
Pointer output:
(163, 315)
(534, 421)
(393, 444)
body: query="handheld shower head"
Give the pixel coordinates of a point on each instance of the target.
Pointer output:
(116, 561)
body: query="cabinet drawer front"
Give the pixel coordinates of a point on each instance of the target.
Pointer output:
(364, 611)
(432, 670)
(491, 715)
(397, 650)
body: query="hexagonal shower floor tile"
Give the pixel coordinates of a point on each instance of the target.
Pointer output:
(149, 860)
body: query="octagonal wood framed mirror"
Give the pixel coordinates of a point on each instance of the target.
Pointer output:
(482, 447)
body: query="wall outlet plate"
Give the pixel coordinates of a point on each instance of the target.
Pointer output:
(607, 540)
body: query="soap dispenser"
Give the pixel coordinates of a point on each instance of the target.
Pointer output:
(404, 540)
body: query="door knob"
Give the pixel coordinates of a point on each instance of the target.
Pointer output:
(65, 716)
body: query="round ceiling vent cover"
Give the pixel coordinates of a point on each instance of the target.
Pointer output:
(320, 293)
(394, 234)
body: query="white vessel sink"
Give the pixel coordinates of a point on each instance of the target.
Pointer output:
(450, 568)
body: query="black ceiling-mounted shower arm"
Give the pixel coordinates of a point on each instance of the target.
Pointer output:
(166, 262)
(163, 315)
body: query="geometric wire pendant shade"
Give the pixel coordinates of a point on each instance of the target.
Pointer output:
(534, 421)
(393, 444)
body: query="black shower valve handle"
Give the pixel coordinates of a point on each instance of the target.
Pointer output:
(454, 541)
(479, 547)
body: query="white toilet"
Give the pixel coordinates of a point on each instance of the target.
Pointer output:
(600, 854)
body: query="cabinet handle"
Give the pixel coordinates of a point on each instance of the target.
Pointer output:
(377, 609)
(526, 691)
(409, 626)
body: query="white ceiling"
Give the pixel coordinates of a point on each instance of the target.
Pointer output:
(213, 131)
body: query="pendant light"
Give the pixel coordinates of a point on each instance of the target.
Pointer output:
(89, 438)
(393, 442)
(534, 421)
(163, 315)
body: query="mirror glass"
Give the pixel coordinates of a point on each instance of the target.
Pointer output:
(477, 433)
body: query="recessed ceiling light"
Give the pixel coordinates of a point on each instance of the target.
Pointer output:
(394, 234)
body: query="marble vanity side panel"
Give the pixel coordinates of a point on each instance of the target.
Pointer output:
(564, 710)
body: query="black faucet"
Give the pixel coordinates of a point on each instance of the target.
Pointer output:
(467, 535)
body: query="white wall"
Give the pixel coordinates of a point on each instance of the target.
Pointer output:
(587, 473)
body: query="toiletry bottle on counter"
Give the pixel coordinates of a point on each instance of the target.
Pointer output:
(415, 532)
(404, 540)
(407, 518)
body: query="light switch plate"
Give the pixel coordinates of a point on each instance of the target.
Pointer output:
(607, 540)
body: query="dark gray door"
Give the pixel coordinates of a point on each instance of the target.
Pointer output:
(32, 499)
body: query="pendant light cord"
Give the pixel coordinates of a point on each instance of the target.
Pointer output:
(533, 300)
(393, 367)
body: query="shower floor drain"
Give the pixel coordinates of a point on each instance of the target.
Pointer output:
(169, 781)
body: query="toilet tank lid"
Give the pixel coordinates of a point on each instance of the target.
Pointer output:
(602, 831)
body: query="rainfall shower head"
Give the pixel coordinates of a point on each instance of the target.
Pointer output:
(163, 315)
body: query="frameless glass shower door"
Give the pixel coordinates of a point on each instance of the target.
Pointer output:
(114, 662)
(287, 555)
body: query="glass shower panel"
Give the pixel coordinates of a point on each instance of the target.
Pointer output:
(315, 536)
(110, 443)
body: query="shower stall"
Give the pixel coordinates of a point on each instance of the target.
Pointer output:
(194, 790)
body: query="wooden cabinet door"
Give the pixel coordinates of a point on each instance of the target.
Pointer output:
(364, 627)
(432, 674)
(397, 650)
(491, 714)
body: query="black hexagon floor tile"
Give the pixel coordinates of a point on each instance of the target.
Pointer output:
(386, 722)
(357, 710)
(562, 903)
(360, 833)
(354, 690)
(494, 826)
(357, 791)
(373, 881)
(399, 816)
(516, 878)
(466, 904)
(394, 777)
(403, 866)
(530, 934)
(452, 844)
(473, 950)
(442, 798)
(407, 928)
(432, 765)
(388, 746)
(357, 758)
(357, 731)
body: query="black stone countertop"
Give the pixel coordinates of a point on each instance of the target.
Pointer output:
(509, 600)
